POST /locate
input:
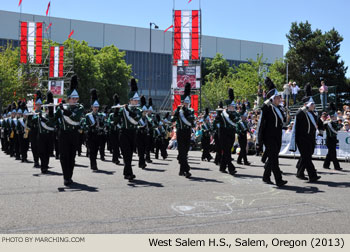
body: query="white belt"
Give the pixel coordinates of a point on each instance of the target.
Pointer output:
(70, 121)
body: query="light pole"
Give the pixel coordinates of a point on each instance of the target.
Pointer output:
(150, 60)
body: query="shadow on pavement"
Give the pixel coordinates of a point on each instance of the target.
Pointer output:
(198, 179)
(154, 170)
(48, 173)
(105, 172)
(77, 187)
(301, 189)
(333, 184)
(80, 165)
(200, 169)
(143, 183)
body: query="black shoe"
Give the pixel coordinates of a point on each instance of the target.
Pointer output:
(240, 163)
(268, 181)
(117, 162)
(223, 171)
(149, 161)
(326, 167)
(94, 168)
(338, 169)
(43, 170)
(103, 158)
(142, 166)
(314, 179)
(233, 172)
(36, 165)
(188, 174)
(247, 163)
(281, 183)
(18, 158)
(302, 177)
(67, 182)
(181, 173)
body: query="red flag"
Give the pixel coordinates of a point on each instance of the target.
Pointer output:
(71, 33)
(48, 27)
(48, 8)
(20, 2)
(171, 26)
(189, 1)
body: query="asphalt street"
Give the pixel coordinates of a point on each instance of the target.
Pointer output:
(160, 201)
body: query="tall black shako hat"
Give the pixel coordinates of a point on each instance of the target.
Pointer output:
(206, 115)
(94, 98)
(49, 100)
(272, 93)
(186, 97)
(231, 98)
(116, 99)
(143, 103)
(150, 104)
(73, 87)
(332, 109)
(133, 95)
(308, 101)
(38, 98)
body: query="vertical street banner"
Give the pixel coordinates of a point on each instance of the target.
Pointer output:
(186, 37)
(31, 42)
(56, 61)
(184, 74)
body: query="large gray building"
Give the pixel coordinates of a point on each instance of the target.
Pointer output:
(135, 42)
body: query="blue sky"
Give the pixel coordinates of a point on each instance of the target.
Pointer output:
(257, 20)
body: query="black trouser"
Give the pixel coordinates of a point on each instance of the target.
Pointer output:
(3, 144)
(160, 147)
(12, 145)
(102, 145)
(6, 143)
(57, 148)
(127, 142)
(273, 147)
(149, 146)
(33, 136)
(24, 146)
(115, 145)
(242, 140)
(68, 142)
(45, 142)
(16, 147)
(141, 142)
(227, 138)
(218, 149)
(81, 141)
(184, 141)
(306, 150)
(206, 147)
(332, 154)
(165, 147)
(93, 142)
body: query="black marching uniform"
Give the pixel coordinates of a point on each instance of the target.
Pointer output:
(206, 134)
(270, 126)
(332, 128)
(184, 118)
(69, 118)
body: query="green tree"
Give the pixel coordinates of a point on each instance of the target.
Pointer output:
(313, 55)
(114, 74)
(216, 67)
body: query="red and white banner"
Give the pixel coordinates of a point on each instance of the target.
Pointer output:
(194, 102)
(56, 87)
(31, 42)
(56, 61)
(186, 36)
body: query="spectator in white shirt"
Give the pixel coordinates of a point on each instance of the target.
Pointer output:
(295, 90)
(287, 89)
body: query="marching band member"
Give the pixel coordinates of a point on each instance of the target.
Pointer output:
(216, 127)
(129, 116)
(159, 136)
(69, 117)
(270, 127)
(114, 127)
(141, 135)
(206, 129)
(94, 124)
(229, 118)
(242, 131)
(304, 138)
(150, 126)
(46, 126)
(184, 118)
(332, 127)
(23, 132)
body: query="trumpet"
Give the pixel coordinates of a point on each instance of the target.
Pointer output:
(56, 105)
(123, 106)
